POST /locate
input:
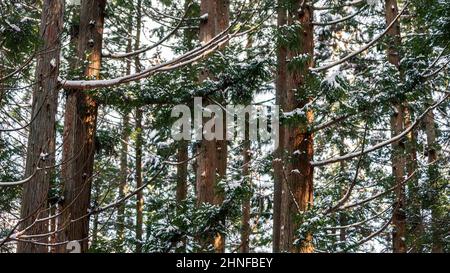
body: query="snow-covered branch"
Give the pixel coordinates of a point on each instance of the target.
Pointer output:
(343, 19)
(148, 48)
(364, 48)
(382, 144)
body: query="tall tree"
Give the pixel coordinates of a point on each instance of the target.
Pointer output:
(437, 214)
(246, 204)
(139, 138)
(297, 180)
(246, 156)
(212, 158)
(125, 137)
(415, 226)
(80, 127)
(123, 179)
(397, 127)
(42, 136)
(278, 162)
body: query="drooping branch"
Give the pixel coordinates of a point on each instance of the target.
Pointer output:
(382, 144)
(19, 69)
(360, 222)
(148, 48)
(340, 6)
(376, 196)
(343, 19)
(363, 48)
(187, 58)
(355, 179)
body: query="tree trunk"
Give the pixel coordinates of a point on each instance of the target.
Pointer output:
(415, 220)
(139, 141)
(397, 127)
(95, 221)
(342, 217)
(222, 159)
(181, 189)
(123, 182)
(182, 157)
(41, 140)
(213, 154)
(139, 183)
(279, 153)
(246, 205)
(297, 186)
(124, 154)
(437, 215)
(80, 128)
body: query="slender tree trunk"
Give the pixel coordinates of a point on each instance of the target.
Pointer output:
(95, 221)
(246, 208)
(80, 127)
(343, 188)
(182, 156)
(139, 183)
(189, 37)
(213, 154)
(181, 189)
(297, 189)
(279, 153)
(222, 159)
(2, 83)
(415, 220)
(397, 127)
(125, 137)
(139, 141)
(41, 140)
(437, 213)
(223, 18)
(123, 182)
(246, 202)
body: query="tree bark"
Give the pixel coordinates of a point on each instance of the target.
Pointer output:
(80, 128)
(246, 205)
(42, 137)
(139, 141)
(182, 156)
(279, 153)
(297, 186)
(397, 126)
(246, 156)
(437, 215)
(123, 182)
(213, 154)
(139, 183)
(181, 188)
(125, 137)
(415, 225)
(342, 217)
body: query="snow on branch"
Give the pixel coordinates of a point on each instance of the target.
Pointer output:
(20, 182)
(192, 56)
(382, 144)
(341, 6)
(145, 49)
(343, 19)
(185, 59)
(364, 48)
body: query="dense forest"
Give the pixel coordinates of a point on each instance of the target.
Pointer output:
(104, 146)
